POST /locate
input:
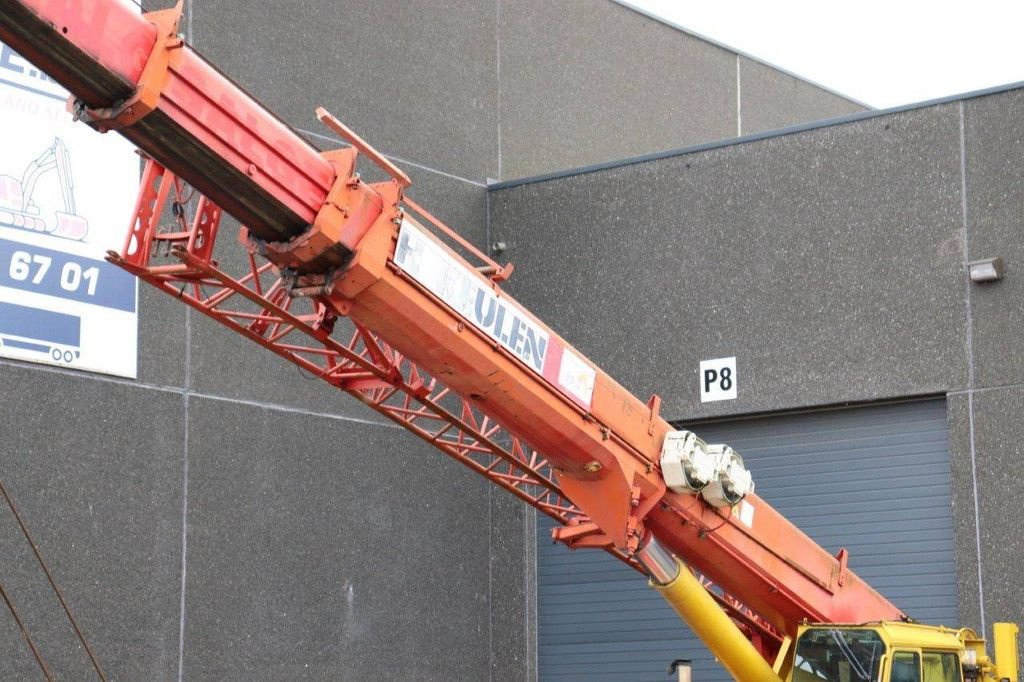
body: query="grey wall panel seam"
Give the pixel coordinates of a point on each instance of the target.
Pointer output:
(977, 515)
(965, 237)
(986, 389)
(739, 100)
(497, 70)
(398, 159)
(92, 376)
(188, 351)
(740, 53)
(487, 224)
(294, 410)
(754, 137)
(184, 488)
(184, 539)
(970, 363)
(182, 391)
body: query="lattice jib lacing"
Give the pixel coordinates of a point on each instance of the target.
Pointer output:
(149, 238)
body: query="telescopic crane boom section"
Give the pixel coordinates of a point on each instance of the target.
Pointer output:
(343, 278)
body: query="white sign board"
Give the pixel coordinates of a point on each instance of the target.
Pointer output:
(717, 379)
(66, 196)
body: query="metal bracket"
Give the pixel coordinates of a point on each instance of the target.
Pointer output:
(351, 208)
(842, 557)
(640, 505)
(578, 535)
(363, 146)
(654, 404)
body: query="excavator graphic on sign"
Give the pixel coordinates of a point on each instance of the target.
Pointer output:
(19, 207)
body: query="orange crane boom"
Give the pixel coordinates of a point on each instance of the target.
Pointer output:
(345, 279)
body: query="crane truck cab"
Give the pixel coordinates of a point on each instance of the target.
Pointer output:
(879, 651)
(901, 652)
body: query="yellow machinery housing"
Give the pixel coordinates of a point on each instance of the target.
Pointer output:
(872, 652)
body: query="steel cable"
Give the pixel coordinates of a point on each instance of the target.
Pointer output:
(53, 584)
(24, 633)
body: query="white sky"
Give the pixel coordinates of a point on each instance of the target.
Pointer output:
(881, 53)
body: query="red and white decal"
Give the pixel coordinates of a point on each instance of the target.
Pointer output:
(472, 297)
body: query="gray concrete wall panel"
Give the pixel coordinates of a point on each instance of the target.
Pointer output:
(584, 82)
(994, 145)
(511, 573)
(829, 262)
(991, 461)
(999, 435)
(416, 80)
(96, 470)
(770, 99)
(162, 340)
(318, 546)
(965, 529)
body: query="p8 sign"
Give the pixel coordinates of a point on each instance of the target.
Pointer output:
(717, 379)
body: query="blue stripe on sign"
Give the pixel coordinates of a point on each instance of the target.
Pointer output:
(41, 325)
(24, 345)
(65, 276)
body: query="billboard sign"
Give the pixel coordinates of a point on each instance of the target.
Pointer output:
(66, 195)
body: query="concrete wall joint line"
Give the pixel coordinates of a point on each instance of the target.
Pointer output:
(965, 236)
(93, 377)
(977, 510)
(498, 77)
(184, 493)
(985, 389)
(487, 224)
(711, 41)
(497, 70)
(188, 351)
(184, 468)
(294, 410)
(739, 100)
(970, 363)
(194, 394)
(184, 540)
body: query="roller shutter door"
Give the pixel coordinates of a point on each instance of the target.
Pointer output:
(875, 480)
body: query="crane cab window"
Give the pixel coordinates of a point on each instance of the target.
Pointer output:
(940, 666)
(929, 666)
(906, 667)
(834, 654)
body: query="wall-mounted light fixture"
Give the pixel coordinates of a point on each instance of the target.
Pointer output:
(987, 270)
(681, 668)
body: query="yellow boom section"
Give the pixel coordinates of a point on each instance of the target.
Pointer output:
(706, 618)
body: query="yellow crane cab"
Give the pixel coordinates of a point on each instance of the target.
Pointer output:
(901, 652)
